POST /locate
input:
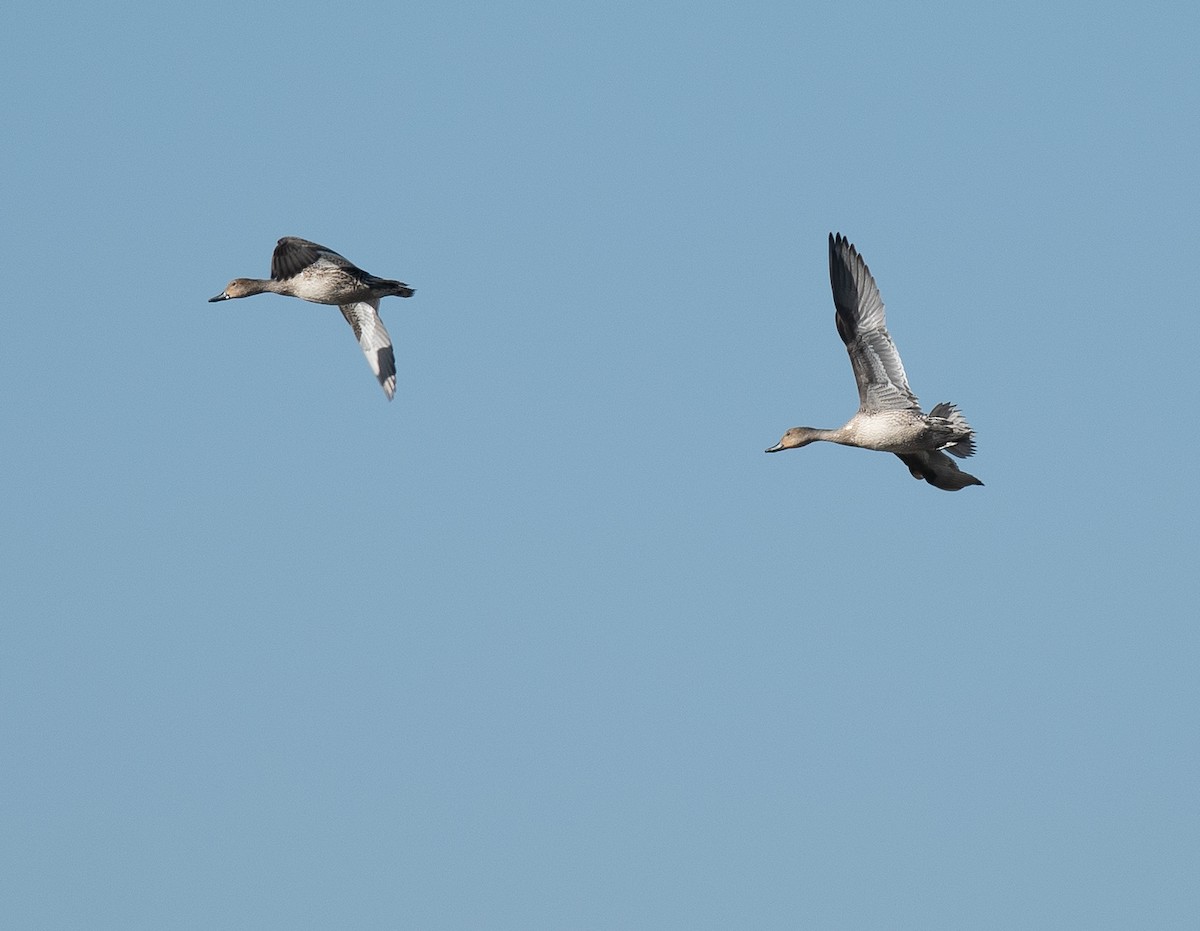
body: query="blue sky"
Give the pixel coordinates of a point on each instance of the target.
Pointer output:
(548, 642)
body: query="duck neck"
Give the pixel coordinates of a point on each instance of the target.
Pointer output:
(263, 285)
(840, 435)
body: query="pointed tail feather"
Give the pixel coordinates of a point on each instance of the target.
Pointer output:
(391, 286)
(957, 424)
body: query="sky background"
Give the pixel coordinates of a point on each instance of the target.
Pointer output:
(548, 642)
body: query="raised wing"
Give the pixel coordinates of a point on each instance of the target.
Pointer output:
(363, 318)
(882, 384)
(292, 255)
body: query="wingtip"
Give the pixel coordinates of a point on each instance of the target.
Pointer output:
(839, 243)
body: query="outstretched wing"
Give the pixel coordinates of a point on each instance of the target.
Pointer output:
(882, 384)
(292, 255)
(363, 318)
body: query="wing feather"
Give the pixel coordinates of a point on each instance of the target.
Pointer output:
(878, 371)
(938, 469)
(376, 344)
(292, 255)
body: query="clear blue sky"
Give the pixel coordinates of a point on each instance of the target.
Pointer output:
(548, 642)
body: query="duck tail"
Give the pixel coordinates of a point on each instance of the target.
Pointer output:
(383, 287)
(961, 436)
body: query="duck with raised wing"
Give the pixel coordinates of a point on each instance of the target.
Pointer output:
(889, 416)
(303, 269)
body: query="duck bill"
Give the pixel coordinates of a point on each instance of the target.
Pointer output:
(774, 449)
(220, 297)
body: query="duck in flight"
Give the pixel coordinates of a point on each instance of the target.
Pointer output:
(889, 416)
(303, 269)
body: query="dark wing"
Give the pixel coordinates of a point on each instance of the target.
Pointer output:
(372, 336)
(882, 384)
(292, 255)
(938, 469)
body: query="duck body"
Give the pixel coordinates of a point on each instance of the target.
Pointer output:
(893, 432)
(889, 418)
(315, 273)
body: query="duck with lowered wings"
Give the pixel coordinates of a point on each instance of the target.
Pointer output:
(311, 272)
